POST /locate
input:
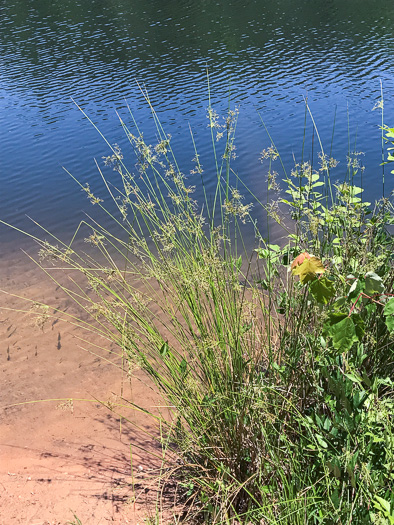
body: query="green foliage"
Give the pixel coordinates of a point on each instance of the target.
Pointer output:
(388, 312)
(280, 386)
(309, 269)
(384, 508)
(322, 290)
(344, 345)
(389, 136)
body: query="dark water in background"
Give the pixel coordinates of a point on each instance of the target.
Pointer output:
(274, 53)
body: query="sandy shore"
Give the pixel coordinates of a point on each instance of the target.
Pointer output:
(60, 457)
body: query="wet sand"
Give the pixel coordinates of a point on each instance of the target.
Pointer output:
(56, 457)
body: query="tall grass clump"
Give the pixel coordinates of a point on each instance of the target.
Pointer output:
(276, 362)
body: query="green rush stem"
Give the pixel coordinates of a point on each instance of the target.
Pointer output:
(382, 139)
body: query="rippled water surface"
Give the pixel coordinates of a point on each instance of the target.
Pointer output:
(269, 55)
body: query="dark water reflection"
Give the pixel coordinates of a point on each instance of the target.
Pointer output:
(273, 53)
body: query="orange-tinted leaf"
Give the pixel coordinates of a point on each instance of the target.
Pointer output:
(300, 259)
(309, 269)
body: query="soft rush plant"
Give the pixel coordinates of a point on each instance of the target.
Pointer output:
(276, 363)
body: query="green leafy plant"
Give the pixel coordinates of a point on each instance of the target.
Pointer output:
(277, 362)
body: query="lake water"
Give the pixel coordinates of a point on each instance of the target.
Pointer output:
(269, 55)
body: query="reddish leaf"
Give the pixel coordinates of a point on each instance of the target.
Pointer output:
(300, 259)
(309, 269)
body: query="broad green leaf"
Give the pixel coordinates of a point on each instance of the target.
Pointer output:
(300, 259)
(390, 132)
(354, 378)
(343, 334)
(309, 269)
(389, 308)
(322, 290)
(263, 253)
(359, 326)
(370, 308)
(321, 441)
(373, 284)
(337, 259)
(335, 317)
(355, 190)
(355, 289)
(318, 421)
(353, 286)
(382, 505)
(270, 253)
(388, 312)
(339, 303)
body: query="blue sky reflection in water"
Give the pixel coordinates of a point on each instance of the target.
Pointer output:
(273, 54)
